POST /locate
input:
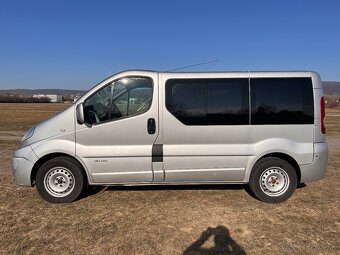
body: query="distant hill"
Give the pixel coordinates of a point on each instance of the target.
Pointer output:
(31, 92)
(331, 87)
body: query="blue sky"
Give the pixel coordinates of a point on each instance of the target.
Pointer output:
(76, 44)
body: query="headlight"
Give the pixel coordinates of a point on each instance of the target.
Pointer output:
(28, 134)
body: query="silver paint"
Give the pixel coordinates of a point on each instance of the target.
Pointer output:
(119, 152)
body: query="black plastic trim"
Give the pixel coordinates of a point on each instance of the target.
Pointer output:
(157, 153)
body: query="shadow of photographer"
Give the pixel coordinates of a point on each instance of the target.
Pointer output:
(223, 243)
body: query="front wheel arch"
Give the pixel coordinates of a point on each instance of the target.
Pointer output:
(61, 180)
(48, 157)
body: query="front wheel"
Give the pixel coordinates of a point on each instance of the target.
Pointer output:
(60, 180)
(273, 180)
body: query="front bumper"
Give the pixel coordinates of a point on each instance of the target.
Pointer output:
(22, 164)
(316, 170)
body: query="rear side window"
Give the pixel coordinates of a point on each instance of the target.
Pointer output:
(209, 101)
(281, 101)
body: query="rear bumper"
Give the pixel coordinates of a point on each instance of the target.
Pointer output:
(316, 170)
(22, 164)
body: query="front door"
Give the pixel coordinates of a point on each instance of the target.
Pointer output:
(121, 117)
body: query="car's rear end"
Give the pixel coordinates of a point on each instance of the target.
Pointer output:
(317, 169)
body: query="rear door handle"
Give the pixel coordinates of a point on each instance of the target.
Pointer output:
(151, 126)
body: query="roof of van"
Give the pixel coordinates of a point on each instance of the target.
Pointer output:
(304, 73)
(231, 74)
(317, 84)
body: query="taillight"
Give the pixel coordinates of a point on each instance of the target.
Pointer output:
(322, 112)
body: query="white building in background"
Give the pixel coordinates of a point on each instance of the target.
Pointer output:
(54, 98)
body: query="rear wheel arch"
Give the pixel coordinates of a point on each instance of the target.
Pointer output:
(282, 156)
(274, 178)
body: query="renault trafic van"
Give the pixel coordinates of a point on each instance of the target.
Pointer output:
(145, 127)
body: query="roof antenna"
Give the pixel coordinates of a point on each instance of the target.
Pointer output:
(199, 64)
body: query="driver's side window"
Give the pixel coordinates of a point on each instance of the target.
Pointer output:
(125, 97)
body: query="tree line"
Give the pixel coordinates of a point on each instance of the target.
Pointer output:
(332, 101)
(23, 99)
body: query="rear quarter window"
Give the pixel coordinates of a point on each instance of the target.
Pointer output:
(281, 101)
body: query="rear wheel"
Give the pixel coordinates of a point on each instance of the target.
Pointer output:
(60, 180)
(273, 180)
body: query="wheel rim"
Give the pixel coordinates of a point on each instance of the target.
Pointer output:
(59, 182)
(274, 181)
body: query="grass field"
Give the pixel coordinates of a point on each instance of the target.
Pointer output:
(221, 219)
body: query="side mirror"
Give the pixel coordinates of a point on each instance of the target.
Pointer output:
(80, 113)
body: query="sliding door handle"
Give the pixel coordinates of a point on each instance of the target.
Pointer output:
(151, 126)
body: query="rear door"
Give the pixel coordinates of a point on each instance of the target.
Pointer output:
(121, 127)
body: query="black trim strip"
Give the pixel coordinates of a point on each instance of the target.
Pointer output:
(157, 153)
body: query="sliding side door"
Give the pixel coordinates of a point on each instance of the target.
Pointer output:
(206, 128)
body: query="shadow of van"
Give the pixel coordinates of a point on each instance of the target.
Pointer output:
(92, 190)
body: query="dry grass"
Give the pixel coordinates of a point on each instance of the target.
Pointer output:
(165, 220)
(333, 123)
(20, 117)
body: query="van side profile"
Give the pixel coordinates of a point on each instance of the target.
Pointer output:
(265, 129)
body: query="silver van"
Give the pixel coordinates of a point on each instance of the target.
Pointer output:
(154, 128)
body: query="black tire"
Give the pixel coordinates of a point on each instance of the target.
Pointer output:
(273, 173)
(62, 173)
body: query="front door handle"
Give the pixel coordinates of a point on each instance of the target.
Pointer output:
(151, 126)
